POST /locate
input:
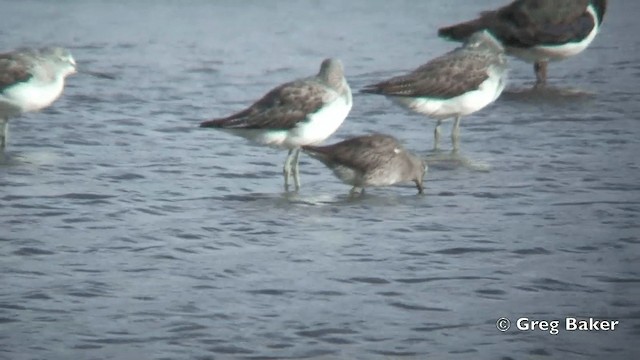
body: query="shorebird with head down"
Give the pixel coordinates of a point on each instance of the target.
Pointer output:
(538, 31)
(301, 112)
(453, 85)
(370, 161)
(31, 80)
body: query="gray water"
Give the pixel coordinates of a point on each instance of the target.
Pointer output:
(127, 232)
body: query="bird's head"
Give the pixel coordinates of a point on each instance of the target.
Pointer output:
(61, 59)
(484, 40)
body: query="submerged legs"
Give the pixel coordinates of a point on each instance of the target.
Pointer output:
(540, 68)
(3, 133)
(287, 169)
(455, 133)
(356, 191)
(296, 171)
(291, 164)
(436, 135)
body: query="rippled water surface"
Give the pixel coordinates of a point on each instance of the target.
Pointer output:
(128, 232)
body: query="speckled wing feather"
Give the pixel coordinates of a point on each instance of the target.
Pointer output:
(281, 108)
(444, 77)
(12, 70)
(364, 153)
(527, 23)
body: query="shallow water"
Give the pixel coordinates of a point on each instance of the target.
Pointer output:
(127, 231)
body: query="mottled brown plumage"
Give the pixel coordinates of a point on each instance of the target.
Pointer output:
(281, 108)
(370, 160)
(285, 106)
(297, 113)
(453, 85)
(12, 70)
(444, 77)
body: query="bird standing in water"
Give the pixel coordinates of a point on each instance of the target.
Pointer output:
(453, 85)
(370, 161)
(538, 31)
(31, 80)
(302, 112)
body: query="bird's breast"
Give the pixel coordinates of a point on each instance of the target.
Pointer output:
(33, 95)
(320, 125)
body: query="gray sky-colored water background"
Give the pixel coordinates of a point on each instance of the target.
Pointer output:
(127, 232)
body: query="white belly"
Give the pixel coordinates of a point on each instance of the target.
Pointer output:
(32, 95)
(316, 128)
(320, 125)
(461, 105)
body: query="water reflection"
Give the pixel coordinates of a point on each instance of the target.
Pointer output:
(34, 158)
(547, 94)
(453, 160)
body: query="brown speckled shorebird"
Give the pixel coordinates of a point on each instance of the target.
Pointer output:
(370, 161)
(453, 85)
(297, 113)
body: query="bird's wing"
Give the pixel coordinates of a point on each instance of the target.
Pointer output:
(281, 108)
(444, 77)
(527, 23)
(362, 153)
(13, 70)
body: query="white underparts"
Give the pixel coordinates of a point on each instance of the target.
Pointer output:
(558, 52)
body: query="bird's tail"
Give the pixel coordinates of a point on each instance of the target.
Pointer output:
(372, 89)
(317, 152)
(311, 149)
(214, 123)
(462, 31)
(237, 120)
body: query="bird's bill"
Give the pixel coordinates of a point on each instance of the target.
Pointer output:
(97, 74)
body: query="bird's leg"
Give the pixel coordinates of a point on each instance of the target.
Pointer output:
(3, 133)
(436, 135)
(296, 172)
(356, 192)
(287, 169)
(540, 68)
(455, 133)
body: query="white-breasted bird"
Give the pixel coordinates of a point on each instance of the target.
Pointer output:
(453, 85)
(538, 31)
(30, 80)
(301, 112)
